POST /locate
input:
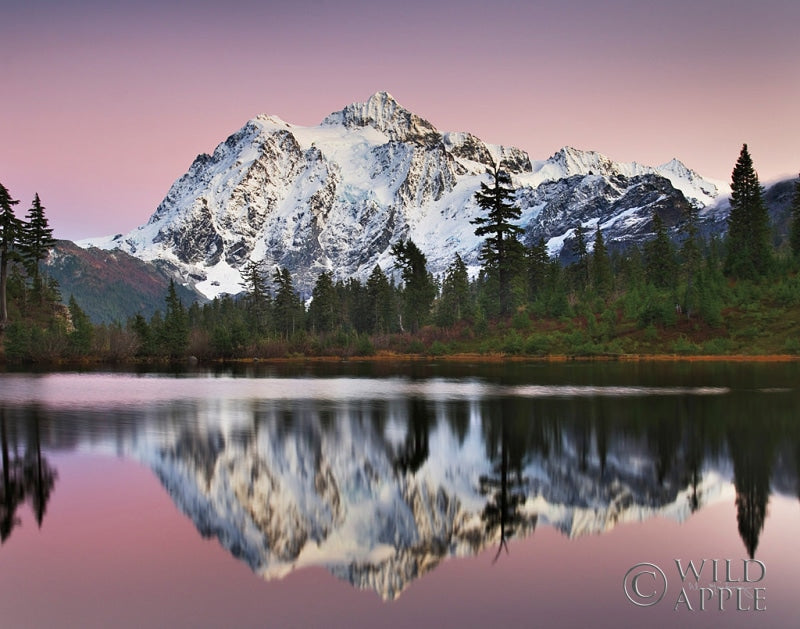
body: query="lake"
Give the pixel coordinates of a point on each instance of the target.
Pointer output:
(402, 495)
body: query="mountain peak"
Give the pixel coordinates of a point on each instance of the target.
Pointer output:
(382, 98)
(677, 166)
(272, 119)
(382, 112)
(577, 162)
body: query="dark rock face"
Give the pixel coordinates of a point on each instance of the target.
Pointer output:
(469, 147)
(515, 161)
(778, 198)
(194, 240)
(622, 207)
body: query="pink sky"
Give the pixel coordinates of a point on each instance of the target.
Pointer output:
(110, 558)
(106, 103)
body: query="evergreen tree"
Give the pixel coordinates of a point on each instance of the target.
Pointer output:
(419, 289)
(555, 297)
(380, 296)
(258, 300)
(659, 256)
(710, 287)
(10, 231)
(80, 339)
(287, 306)
(144, 337)
(538, 263)
(487, 289)
(156, 333)
(36, 240)
(794, 236)
(53, 290)
(691, 258)
(748, 248)
(325, 310)
(195, 315)
(602, 277)
(631, 266)
(581, 267)
(253, 281)
(175, 331)
(455, 303)
(501, 252)
(355, 304)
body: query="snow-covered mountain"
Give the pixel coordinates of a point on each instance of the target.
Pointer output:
(336, 197)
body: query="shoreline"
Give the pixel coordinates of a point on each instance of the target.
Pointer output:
(388, 357)
(384, 357)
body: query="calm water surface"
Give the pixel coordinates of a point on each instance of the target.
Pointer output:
(359, 495)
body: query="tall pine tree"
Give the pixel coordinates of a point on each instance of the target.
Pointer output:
(80, 338)
(659, 256)
(10, 232)
(175, 330)
(419, 290)
(356, 305)
(36, 239)
(602, 277)
(538, 264)
(749, 254)
(325, 310)
(455, 303)
(581, 267)
(381, 316)
(502, 253)
(258, 298)
(692, 257)
(288, 308)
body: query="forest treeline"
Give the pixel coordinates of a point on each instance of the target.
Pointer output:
(692, 295)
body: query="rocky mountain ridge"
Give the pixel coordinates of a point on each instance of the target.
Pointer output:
(336, 196)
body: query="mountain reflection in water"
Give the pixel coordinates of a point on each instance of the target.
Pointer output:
(380, 488)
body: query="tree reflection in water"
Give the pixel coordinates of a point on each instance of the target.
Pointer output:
(506, 435)
(752, 449)
(13, 487)
(25, 478)
(416, 448)
(309, 471)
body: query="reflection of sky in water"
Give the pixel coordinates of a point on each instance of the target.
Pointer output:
(99, 390)
(114, 552)
(589, 459)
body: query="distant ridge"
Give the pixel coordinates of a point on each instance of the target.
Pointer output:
(110, 285)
